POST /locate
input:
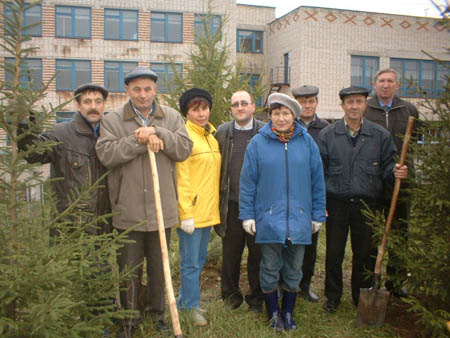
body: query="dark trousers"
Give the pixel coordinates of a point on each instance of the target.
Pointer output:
(232, 248)
(309, 261)
(146, 244)
(342, 216)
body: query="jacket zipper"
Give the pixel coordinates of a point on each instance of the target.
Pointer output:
(287, 192)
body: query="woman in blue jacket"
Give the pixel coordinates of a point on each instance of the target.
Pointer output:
(282, 198)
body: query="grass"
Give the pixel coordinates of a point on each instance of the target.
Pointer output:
(311, 319)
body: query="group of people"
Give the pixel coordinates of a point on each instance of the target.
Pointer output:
(269, 187)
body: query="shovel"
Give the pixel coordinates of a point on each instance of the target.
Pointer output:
(373, 302)
(164, 251)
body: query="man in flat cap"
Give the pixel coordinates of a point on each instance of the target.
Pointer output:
(73, 159)
(389, 111)
(358, 159)
(307, 96)
(122, 148)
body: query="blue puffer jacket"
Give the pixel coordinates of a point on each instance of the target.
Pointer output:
(282, 186)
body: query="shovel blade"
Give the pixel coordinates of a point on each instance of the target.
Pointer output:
(372, 307)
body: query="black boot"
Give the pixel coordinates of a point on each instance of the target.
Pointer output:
(287, 310)
(273, 310)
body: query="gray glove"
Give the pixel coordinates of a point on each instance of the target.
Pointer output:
(249, 226)
(188, 226)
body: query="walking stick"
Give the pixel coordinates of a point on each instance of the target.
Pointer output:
(164, 251)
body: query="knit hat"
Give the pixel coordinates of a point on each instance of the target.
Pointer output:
(191, 94)
(286, 101)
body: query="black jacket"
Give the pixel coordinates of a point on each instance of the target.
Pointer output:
(73, 160)
(360, 171)
(224, 136)
(314, 127)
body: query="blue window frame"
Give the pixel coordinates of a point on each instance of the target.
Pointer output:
(115, 72)
(364, 69)
(165, 74)
(252, 80)
(166, 27)
(64, 116)
(121, 24)
(73, 22)
(30, 72)
(421, 77)
(250, 41)
(31, 16)
(203, 23)
(72, 73)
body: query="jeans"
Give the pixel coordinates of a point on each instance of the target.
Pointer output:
(193, 253)
(284, 259)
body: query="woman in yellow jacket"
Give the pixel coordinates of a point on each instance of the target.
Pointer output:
(198, 198)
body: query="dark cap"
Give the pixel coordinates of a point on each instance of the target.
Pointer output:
(192, 94)
(140, 72)
(353, 91)
(90, 87)
(286, 101)
(305, 91)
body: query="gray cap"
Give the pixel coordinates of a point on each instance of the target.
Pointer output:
(305, 91)
(286, 101)
(91, 87)
(353, 91)
(140, 72)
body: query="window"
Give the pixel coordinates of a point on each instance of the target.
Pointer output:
(30, 72)
(64, 116)
(72, 73)
(121, 24)
(252, 80)
(204, 22)
(364, 69)
(73, 22)
(427, 76)
(250, 41)
(31, 16)
(115, 72)
(165, 75)
(166, 27)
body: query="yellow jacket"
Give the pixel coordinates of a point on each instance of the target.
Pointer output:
(198, 179)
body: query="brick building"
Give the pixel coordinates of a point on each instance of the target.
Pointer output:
(101, 40)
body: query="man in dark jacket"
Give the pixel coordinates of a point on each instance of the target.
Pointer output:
(392, 113)
(308, 99)
(233, 138)
(358, 157)
(74, 159)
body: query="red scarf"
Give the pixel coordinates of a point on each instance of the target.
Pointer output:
(284, 136)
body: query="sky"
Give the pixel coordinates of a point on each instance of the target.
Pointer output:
(403, 7)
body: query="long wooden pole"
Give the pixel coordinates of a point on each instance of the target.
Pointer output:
(164, 250)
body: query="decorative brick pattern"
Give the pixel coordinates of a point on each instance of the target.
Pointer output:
(98, 23)
(188, 28)
(97, 71)
(144, 26)
(48, 70)
(48, 21)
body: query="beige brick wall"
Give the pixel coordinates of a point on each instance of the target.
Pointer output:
(98, 23)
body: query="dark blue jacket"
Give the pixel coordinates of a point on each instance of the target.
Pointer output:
(358, 171)
(282, 186)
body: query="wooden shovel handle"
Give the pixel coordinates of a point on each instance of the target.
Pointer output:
(164, 250)
(395, 192)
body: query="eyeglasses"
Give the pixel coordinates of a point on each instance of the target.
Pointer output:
(243, 104)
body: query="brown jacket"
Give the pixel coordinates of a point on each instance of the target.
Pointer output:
(130, 178)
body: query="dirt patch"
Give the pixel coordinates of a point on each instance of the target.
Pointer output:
(403, 322)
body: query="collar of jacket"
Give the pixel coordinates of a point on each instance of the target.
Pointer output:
(130, 114)
(267, 130)
(81, 125)
(342, 129)
(374, 103)
(200, 130)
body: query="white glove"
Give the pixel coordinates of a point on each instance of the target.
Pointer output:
(249, 226)
(187, 225)
(316, 226)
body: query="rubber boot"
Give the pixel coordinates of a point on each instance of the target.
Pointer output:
(287, 310)
(273, 310)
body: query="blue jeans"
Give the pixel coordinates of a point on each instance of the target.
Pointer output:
(281, 262)
(193, 253)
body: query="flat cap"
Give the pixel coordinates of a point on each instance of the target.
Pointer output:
(193, 93)
(91, 86)
(140, 72)
(305, 91)
(353, 91)
(286, 101)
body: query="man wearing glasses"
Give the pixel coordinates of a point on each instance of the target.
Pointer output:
(233, 138)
